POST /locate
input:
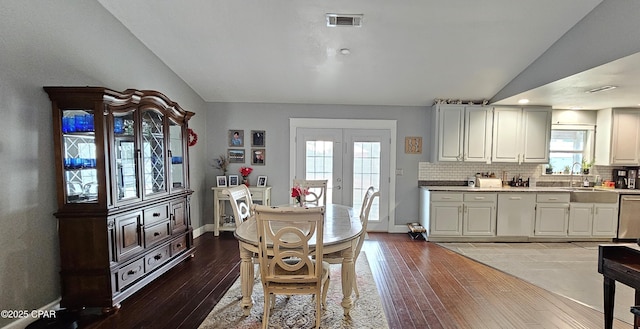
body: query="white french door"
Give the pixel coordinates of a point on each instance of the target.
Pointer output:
(350, 160)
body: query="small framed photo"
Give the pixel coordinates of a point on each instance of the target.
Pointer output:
(233, 180)
(258, 138)
(236, 138)
(235, 155)
(258, 157)
(222, 181)
(262, 181)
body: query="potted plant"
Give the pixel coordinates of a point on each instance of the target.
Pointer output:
(586, 166)
(549, 169)
(567, 170)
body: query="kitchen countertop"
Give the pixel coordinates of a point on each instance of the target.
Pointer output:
(518, 189)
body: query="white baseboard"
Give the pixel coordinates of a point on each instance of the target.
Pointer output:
(202, 230)
(24, 322)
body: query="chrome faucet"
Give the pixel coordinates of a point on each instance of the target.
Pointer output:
(573, 165)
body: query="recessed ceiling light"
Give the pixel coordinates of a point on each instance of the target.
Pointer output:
(523, 101)
(599, 89)
(575, 107)
(354, 20)
(345, 51)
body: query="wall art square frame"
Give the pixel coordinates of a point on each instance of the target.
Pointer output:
(262, 181)
(258, 138)
(413, 145)
(258, 157)
(221, 181)
(236, 141)
(236, 155)
(233, 180)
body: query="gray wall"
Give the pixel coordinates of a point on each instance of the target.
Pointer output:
(72, 42)
(274, 119)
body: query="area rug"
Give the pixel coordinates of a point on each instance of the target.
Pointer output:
(567, 269)
(298, 311)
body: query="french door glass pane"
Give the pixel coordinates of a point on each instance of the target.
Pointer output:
(319, 162)
(366, 173)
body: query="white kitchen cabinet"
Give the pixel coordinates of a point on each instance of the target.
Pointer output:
(479, 217)
(605, 220)
(552, 214)
(516, 214)
(462, 214)
(521, 135)
(580, 219)
(618, 137)
(445, 214)
(461, 133)
(593, 220)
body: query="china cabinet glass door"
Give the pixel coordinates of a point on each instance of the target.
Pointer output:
(177, 155)
(79, 147)
(127, 186)
(153, 152)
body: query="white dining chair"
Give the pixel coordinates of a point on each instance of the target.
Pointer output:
(285, 254)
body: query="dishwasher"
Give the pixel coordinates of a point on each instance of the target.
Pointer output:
(629, 224)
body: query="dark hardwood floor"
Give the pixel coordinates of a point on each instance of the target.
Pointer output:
(421, 285)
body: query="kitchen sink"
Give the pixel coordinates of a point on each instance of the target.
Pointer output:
(591, 195)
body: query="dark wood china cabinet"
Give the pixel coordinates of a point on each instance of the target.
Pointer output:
(122, 169)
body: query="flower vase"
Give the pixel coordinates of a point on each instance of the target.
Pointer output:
(245, 181)
(298, 201)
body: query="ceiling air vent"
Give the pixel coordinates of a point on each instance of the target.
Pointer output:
(344, 20)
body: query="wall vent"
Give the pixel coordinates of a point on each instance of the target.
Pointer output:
(344, 20)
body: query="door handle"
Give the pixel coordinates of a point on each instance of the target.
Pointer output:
(338, 187)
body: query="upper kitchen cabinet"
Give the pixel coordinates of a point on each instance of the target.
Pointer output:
(521, 135)
(618, 137)
(461, 133)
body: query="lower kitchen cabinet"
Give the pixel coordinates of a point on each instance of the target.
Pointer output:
(479, 216)
(593, 220)
(516, 214)
(462, 214)
(552, 214)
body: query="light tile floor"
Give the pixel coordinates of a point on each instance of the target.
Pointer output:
(568, 269)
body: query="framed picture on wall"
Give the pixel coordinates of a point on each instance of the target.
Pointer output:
(222, 181)
(258, 139)
(235, 155)
(262, 181)
(258, 157)
(233, 180)
(236, 138)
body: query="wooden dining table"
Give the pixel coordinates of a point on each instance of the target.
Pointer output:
(342, 228)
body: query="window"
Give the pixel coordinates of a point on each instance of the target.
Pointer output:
(570, 144)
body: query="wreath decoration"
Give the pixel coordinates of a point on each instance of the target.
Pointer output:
(193, 137)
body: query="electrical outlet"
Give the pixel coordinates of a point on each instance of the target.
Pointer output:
(399, 172)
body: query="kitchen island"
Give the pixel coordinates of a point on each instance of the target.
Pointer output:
(519, 214)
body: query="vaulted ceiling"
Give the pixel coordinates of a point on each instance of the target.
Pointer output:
(406, 53)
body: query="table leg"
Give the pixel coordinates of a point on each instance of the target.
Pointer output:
(348, 275)
(609, 296)
(246, 279)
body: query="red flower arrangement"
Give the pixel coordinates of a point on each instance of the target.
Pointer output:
(297, 192)
(245, 171)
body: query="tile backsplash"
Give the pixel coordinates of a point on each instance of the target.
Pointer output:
(459, 171)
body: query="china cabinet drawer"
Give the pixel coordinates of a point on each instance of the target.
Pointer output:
(156, 214)
(130, 273)
(156, 233)
(552, 197)
(156, 258)
(446, 197)
(177, 246)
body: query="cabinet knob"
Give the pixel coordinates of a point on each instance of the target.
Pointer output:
(157, 257)
(156, 214)
(156, 233)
